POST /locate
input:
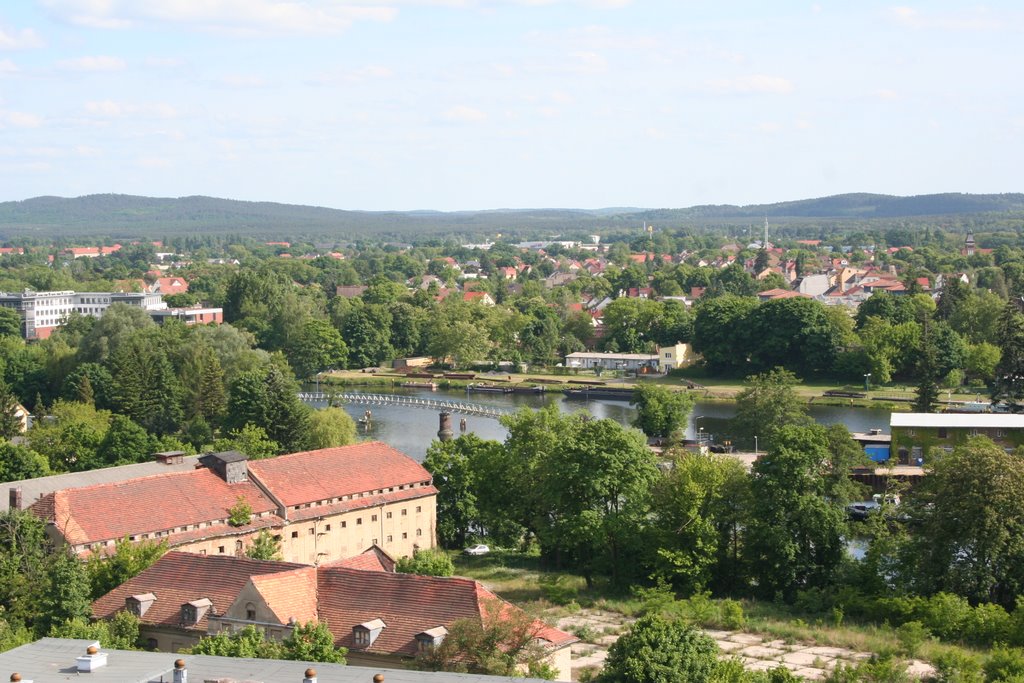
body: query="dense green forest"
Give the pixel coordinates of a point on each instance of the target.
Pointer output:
(132, 217)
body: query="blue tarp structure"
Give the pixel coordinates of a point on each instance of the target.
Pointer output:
(877, 453)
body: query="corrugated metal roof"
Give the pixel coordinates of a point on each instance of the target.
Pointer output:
(53, 659)
(958, 420)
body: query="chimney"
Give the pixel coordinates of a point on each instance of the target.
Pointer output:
(310, 676)
(91, 660)
(230, 465)
(169, 457)
(15, 498)
(180, 672)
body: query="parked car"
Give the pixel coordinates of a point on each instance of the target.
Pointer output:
(478, 549)
(861, 511)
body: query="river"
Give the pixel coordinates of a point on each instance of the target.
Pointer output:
(411, 430)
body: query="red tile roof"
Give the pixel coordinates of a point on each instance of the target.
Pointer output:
(177, 578)
(781, 294)
(171, 285)
(330, 473)
(161, 502)
(341, 596)
(289, 594)
(407, 604)
(373, 559)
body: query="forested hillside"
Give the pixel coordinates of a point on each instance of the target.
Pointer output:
(132, 217)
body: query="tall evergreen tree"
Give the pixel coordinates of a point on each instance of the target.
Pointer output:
(210, 400)
(10, 423)
(1008, 387)
(927, 373)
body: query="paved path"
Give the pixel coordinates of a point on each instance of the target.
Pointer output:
(808, 661)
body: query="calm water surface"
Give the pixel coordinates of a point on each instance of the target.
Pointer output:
(411, 430)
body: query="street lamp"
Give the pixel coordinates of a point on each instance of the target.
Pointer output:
(755, 444)
(867, 381)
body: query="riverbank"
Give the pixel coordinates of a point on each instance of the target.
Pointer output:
(889, 399)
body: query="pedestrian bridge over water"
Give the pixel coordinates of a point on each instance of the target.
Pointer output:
(360, 398)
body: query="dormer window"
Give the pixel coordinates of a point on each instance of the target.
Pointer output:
(366, 633)
(139, 604)
(193, 612)
(428, 640)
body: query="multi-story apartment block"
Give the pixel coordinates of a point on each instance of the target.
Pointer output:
(43, 312)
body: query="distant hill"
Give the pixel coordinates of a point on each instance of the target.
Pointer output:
(128, 216)
(862, 205)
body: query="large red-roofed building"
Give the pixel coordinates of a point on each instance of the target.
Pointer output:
(323, 505)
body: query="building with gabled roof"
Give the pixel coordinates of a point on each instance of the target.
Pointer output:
(323, 505)
(381, 617)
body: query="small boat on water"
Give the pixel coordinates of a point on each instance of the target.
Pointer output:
(420, 385)
(489, 388)
(519, 389)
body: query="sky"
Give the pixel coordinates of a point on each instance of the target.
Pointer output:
(478, 104)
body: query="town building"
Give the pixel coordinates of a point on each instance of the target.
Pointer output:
(52, 659)
(667, 358)
(195, 315)
(43, 312)
(383, 618)
(640, 362)
(675, 356)
(915, 435)
(322, 505)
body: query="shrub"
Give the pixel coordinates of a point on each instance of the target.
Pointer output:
(987, 623)
(945, 615)
(883, 670)
(240, 513)
(1004, 664)
(664, 650)
(427, 563)
(912, 635)
(700, 608)
(814, 601)
(656, 599)
(556, 591)
(955, 666)
(731, 615)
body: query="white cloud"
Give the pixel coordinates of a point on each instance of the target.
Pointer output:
(112, 110)
(19, 119)
(242, 81)
(240, 16)
(978, 19)
(14, 39)
(585, 61)
(464, 114)
(8, 67)
(153, 162)
(164, 62)
(757, 83)
(886, 94)
(371, 72)
(99, 63)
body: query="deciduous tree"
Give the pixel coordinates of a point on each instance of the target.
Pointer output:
(661, 412)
